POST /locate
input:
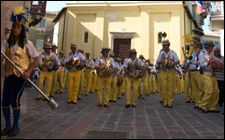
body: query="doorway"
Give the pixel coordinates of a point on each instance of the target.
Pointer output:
(121, 47)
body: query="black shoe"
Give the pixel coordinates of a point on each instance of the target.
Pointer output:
(74, 102)
(203, 110)
(187, 101)
(214, 111)
(38, 99)
(45, 99)
(69, 102)
(13, 132)
(143, 97)
(119, 97)
(193, 102)
(5, 131)
(164, 105)
(51, 96)
(139, 96)
(60, 92)
(86, 95)
(160, 101)
(110, 100)
(133, 105)
(78, 98)
(127, 105)
(106, 105)
(114, 101)
(195, 107)
(170, 106)
(56, 91)
(99, 105)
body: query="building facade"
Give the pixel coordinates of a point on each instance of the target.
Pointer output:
(43, 32)
(122, 25)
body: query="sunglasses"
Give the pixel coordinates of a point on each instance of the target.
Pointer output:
(107, 51)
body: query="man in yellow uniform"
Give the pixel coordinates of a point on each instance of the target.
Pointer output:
(152, 80)
(88, 72)
(168, 72)
(61, 72)
(74, 64)
(105, 67)
(81, 86)
(120, 74)
(45, 59)
(93, 79)
(54, 75)
(178, 81)
(211, 95)
(160, 85)
(132, 65)
(113, 90)
(143, 80)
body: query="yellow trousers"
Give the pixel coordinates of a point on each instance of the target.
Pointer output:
(168, 85)
(54, 82)
(73, 85)
(135, 90)
(48, 77)
(211, 94)
(182, 83)
(160, 86)
(93, 82)
(107, 81)
(113, 88)
(156, 85)
(81, 87)
(197, 86)
(152, 84)
(119, 90)
(143, 80)
(178, 85)
(61, 78)
(88, 79)
(187, 85)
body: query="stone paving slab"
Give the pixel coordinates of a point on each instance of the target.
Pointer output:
(149, 120)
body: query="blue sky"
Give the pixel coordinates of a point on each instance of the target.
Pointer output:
(55, 5)
(58, 5)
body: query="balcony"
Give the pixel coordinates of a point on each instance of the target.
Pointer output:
(217, 15)
(37, 12)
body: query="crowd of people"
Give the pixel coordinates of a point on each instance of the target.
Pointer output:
(200, 76)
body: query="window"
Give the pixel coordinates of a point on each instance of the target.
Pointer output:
(42, 23)
(86, 37)
(40, 43)
(216, 43)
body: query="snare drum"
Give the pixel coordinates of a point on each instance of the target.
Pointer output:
(52, 66)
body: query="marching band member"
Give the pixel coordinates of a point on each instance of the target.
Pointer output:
(152, 80)
(131, 65)
(19, 50)
(158, 69)
(105, 67)
(113, 91)
(61, 72)
(178, 81)
(168, 72)
(74, 65)
(46, 74)
(93, 79)
(210, 88)
(88, 72)
(187, 83)
(81, 86)
(196, 77)
(120, 76)
(54, 75)
(143, 80)
(148, 71)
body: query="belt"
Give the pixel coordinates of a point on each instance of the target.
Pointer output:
(194, 70)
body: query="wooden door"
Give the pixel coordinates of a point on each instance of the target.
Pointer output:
(121, 48)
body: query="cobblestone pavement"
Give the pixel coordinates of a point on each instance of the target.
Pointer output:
(149, 120)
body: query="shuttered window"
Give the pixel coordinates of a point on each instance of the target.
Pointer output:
(40, 43)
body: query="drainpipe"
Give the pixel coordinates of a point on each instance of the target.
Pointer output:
(63, 30)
